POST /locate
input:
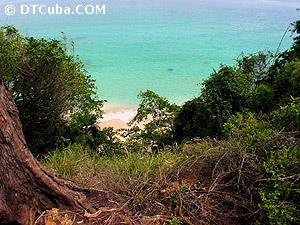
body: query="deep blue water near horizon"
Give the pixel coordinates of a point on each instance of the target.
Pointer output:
(168, 46)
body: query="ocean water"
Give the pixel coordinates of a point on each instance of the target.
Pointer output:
(168, 46)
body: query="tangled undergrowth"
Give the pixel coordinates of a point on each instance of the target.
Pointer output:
(205, 181)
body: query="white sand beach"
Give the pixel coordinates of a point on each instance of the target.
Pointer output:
(116, 117)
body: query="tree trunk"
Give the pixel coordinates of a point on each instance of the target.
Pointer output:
(26, 188)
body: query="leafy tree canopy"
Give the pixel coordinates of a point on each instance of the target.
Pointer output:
(50, 87)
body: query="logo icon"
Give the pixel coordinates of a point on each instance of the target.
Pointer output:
(10, 10)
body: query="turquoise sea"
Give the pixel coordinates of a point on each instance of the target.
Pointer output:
(168, 46)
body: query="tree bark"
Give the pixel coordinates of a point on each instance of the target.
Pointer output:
(26, 188)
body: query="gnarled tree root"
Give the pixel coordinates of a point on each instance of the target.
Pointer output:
(26, 188)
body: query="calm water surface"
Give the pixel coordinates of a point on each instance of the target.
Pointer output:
(168, 46)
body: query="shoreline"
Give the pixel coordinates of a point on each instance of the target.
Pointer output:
(116, 116)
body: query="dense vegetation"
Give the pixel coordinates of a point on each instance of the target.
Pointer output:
(55, 96)
(229, 156)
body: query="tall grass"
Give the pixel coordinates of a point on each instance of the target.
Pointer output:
(181, 181)
(126, 177)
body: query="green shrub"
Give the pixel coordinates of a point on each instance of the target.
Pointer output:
(288, 116)
(280, 192)
(263, 98)
(153, 123)
(257, 66)
(255, 135)
(195, 119)
(296, 46)
(83, 129)
(225, 93)
(286, 81)
(174, 221)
